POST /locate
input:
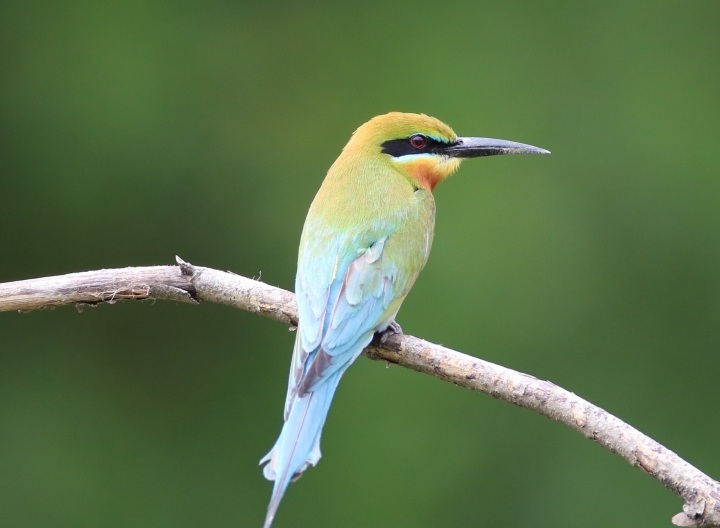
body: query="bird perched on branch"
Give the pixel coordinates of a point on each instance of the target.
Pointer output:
(366, 237)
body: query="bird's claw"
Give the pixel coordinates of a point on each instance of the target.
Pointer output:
(392, 328)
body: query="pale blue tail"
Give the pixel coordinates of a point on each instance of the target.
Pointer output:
(299, 443)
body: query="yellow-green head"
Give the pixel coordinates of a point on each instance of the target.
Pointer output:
(425, 150)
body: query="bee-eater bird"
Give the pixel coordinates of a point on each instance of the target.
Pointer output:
(366, 238)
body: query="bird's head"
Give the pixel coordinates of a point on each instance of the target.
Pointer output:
(424, 149)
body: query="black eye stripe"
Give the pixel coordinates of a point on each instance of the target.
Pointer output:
(411, 145)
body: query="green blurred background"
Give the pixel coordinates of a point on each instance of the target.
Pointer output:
(134, 131)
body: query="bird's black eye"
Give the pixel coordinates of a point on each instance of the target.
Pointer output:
(418, 141)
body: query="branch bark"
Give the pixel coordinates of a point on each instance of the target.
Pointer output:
(188, 283)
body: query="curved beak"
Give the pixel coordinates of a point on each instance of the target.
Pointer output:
(471, 147)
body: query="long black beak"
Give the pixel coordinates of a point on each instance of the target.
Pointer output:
(471, 147)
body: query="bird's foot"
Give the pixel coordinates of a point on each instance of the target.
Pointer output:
(393, 328)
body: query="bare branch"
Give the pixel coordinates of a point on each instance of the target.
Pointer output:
(193, 284)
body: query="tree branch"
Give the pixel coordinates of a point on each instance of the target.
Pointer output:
(189, 283)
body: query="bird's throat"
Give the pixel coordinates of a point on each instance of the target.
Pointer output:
(427, 172)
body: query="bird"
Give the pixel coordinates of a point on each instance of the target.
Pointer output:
(366, 237)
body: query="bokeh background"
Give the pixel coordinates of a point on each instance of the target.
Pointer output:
(135, 131)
